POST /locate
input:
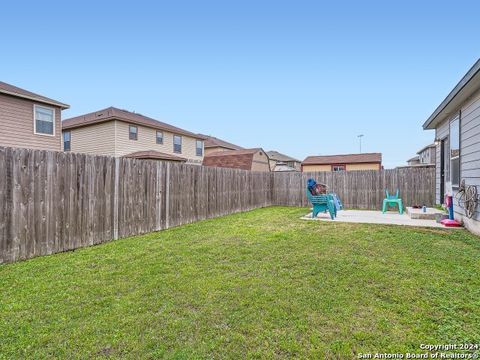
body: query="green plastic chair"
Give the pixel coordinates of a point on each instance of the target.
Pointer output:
(392, 200)
(322, 203)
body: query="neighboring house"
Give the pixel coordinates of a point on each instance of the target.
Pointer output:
(246, 159)
(414, 161)
(282, 167)
(116, 132)
(350, 162)
(29, 120)
(282, 159)
(456, 122)
(424, 158)
(427, 155)
(213, 144)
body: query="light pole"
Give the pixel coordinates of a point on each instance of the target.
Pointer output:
(360, 139)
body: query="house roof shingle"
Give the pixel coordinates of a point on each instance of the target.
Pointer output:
(113, 113)
(155, 155)
(236, 159)
(24, 94)
(275, 155)
(212, 141)
(343, 159)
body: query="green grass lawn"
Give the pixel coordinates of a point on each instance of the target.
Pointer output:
(262, 284)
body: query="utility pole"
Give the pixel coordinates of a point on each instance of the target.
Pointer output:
(360, 139)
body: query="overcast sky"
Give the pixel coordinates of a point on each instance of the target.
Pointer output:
(299, 77)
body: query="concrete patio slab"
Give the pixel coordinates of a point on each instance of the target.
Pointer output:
(375, 217)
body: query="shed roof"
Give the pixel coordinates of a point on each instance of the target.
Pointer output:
(112, 113)
(343, 159)
(25, 94)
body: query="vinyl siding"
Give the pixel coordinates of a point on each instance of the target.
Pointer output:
(17, 126)
(348, 167)
(366, 166)
(427, 156)
(215, 149)
(260, 162)
(95, 140)
(311, 168)
(147, 141)
(469, 154)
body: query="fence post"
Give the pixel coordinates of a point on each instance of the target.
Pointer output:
(167, 197)
(115, 199)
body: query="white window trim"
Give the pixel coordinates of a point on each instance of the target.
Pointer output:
(63, 140)
(455, 118)
(136, 132)
(181, 141)
(202, 147)
(156, 137)
(35, 120)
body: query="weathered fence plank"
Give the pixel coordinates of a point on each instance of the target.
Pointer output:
(53, 201)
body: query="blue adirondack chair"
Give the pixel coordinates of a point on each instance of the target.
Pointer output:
(322, 203)
(392, 200)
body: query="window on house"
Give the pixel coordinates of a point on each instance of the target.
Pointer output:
(159, 137)
(338, 168)
(199, 148)
(177, 144)
(455, 152)
(132, 132)
(44, 120)
(67, 136)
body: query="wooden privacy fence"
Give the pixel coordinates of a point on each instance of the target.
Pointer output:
(359, 189)
(53, 201)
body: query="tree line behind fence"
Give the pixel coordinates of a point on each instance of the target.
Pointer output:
(53, 201)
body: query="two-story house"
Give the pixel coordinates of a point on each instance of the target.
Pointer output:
(425, 157)
(29, 120)
(118, 133)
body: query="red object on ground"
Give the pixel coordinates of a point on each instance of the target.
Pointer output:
(450, 223)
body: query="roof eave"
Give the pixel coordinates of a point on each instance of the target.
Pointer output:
(32, 98)
(126, 120)
(465, 87)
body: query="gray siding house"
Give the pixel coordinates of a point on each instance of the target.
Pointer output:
(456, 122)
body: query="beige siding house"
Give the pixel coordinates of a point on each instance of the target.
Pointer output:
(29, 120)
(117, 133)
(349, 162)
